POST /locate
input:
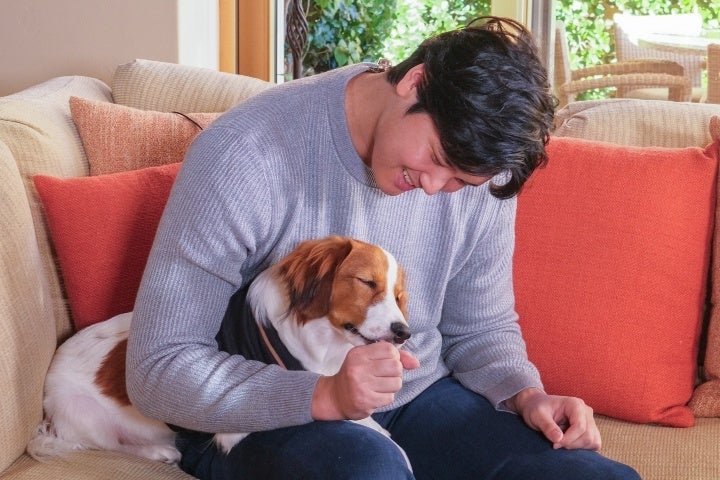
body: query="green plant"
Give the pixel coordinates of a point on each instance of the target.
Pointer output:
(415, 20)
(343, 32)
(351, 31)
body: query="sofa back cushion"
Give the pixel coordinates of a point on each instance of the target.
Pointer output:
(642, 123)
(667, 124)
(611, 262)
(168, 87)
(37, 127)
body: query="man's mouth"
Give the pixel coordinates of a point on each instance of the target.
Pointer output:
(408, 179)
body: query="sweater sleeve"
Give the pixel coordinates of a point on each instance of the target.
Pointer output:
(482, 341)
(215, 234)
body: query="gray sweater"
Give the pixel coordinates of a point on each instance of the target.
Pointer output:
(276, 170)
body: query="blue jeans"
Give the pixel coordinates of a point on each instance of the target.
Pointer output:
(448, 432)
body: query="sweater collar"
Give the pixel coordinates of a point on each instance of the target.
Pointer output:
(337, 117)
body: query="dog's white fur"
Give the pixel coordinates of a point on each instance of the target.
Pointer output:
(361, 299)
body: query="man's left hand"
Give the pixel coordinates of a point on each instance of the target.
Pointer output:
(566, 421)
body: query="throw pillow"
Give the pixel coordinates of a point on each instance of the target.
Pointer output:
(610, 274)
(102, 228)
(118, 138)
(706, 397)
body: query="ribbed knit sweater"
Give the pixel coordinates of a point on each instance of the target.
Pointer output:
(273, 171)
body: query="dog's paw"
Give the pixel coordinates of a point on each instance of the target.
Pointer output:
(226, 441)
(161, 453)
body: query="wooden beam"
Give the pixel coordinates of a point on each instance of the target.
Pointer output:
(228, 36)
(254, 46)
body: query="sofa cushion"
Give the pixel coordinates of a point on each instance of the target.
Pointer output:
(168, 87)
(661, 453)
(610, 271)
(118, 138)
(102, 228)
(93, 465)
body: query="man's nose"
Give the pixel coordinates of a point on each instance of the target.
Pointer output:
(435, 180)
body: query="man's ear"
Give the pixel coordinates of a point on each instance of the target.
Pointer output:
(409, 82)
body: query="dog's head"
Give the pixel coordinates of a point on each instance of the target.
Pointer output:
(359, 287)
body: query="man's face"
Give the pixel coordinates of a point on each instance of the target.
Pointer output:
(406, 154)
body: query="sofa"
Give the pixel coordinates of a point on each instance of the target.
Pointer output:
(39, 136)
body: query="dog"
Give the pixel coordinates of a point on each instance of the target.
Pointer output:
(323, 299)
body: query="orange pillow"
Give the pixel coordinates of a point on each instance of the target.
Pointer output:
(610, 270)
(102, 228)
(117, 138)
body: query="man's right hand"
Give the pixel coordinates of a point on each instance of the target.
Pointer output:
(368, 379)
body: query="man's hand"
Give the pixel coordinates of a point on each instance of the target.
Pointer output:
(566, 421)
(368, 379)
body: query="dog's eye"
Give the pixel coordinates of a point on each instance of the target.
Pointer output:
(369, 283)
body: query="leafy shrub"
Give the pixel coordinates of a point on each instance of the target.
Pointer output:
(343, 32)
(416, 20)
(351, 31)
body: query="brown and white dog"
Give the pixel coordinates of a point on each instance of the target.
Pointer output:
(326, 297)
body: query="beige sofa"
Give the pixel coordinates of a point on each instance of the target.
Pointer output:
(37, 135)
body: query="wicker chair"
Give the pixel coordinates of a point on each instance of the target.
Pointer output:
(634, 74)
(628, 28)
(713, 72)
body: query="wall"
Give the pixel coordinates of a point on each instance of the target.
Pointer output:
(40, 39)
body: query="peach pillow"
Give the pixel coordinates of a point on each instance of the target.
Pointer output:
(118, 138)
(610, 270)
(706, 398)
(102, 228)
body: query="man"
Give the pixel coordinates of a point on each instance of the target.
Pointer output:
(423, 160)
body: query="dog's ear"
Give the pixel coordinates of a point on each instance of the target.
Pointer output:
(400, 293)
(309, 271)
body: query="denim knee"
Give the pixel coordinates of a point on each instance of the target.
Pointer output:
(566, 464)
(365, 454)
(338, 450)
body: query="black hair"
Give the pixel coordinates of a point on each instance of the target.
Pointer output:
(488, 95)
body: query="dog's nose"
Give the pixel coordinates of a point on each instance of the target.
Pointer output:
(400, 331)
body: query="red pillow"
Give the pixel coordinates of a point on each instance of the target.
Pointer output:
(610, 271)
(102, 228)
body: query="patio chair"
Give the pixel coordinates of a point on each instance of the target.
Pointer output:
(630, 75)
(628, 28)
(713, 72)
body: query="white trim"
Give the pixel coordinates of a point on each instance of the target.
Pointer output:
(198, 33)
(279, 35)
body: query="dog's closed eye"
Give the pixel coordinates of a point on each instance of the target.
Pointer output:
(370, 283)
